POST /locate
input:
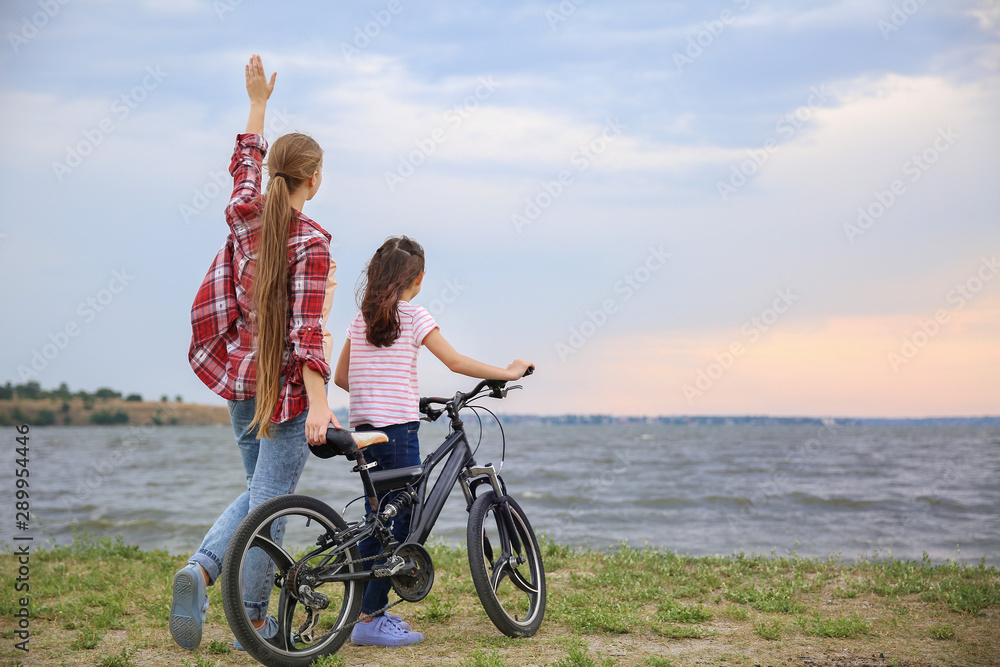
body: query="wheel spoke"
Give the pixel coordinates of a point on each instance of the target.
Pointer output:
(518, 580)
(284, 616)
(262, 540)
(500, 570)
(487, 548)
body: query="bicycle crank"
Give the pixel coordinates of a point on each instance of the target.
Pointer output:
(414, 580)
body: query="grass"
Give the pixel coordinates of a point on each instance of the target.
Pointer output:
(121, 659)
(770, 630)
(101, 602)
(844, 626)
(481, 658)
(580, 657)
(942, 631)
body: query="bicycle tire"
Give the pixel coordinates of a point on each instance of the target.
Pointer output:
(254, 541)
(506, 568)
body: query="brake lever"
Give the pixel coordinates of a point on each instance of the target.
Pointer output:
(431, 415)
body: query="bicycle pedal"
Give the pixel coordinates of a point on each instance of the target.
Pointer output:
(390, 567)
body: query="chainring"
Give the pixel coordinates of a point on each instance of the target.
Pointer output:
(413, 584)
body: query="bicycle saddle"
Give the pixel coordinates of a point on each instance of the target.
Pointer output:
(347, 443)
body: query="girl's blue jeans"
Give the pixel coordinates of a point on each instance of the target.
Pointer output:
(273, 466)
(402, 450)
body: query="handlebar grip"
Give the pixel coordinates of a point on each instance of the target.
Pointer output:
(531, 369)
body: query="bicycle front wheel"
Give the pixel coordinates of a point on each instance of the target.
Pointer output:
(265, 569)
(506, 565)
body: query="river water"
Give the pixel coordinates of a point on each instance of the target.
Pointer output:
(847, 490)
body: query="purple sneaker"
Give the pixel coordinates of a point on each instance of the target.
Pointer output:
(398, 621)
(383, 632)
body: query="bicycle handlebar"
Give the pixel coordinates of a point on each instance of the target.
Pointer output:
(498, 389)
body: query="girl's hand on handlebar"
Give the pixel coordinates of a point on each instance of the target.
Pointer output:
(518, 368)
(318, 420)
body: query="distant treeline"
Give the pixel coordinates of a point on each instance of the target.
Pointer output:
(68, 402)
(33, 391)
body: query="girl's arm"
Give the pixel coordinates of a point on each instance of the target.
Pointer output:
(343, 366)
(459, 363)
(320, 416)
(259, 89)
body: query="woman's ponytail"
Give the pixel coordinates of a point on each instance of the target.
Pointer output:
(293, 159)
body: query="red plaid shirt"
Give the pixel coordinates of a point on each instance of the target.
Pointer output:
(223, 323)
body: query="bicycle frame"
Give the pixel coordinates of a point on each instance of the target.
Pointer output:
(459, 467)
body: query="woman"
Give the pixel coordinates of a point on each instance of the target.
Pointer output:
(258, 341)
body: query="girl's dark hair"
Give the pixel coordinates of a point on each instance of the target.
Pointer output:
(394, 267)
(292, 160)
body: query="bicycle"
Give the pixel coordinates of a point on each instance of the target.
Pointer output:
(313, 552)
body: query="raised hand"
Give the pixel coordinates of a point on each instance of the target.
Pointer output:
(258, 87)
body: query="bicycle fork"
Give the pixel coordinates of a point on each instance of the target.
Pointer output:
(472, 473)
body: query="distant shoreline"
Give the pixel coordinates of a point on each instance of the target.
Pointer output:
(77, 411)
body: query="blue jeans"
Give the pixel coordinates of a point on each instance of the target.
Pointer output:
(273, 467)
(402, 450)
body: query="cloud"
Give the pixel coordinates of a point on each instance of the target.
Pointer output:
(841, 363)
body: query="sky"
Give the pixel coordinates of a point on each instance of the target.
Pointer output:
(717, 208)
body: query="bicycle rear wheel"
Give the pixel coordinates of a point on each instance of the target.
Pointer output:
(506, 565)
(274, 539)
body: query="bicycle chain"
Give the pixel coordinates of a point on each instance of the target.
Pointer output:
(377, 611)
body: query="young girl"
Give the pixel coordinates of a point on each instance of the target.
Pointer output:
(378, 366)
(258, 324)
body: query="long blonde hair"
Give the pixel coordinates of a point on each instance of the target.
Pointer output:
(292, 160)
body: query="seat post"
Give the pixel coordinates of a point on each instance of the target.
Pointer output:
(366, 479)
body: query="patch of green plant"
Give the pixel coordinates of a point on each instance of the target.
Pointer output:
(121, 659)
(481, 658)
(90, 547)
(779, 599)
(770, 630)
(553, 555)
(683, 631)
(844, 627)
(88, 638)
(200, 661)
(437, 610)
(219, 648)
(677, 613)
(658, 661)
(844, 593)
(736, 612)
(110, 617)
(942, 631)
(580, 657)
(330, 661)
(964, 595)
(591, 613)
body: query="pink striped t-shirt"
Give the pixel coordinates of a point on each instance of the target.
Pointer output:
(383, 380)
